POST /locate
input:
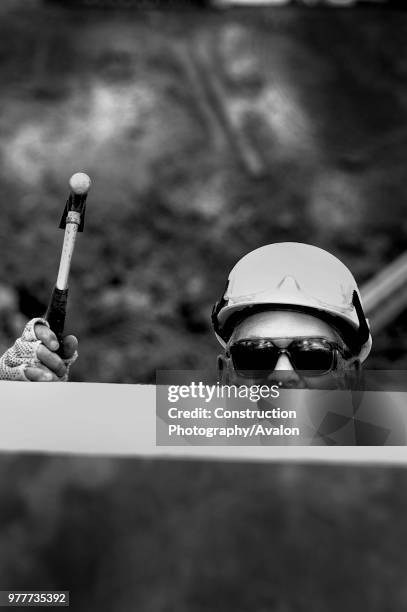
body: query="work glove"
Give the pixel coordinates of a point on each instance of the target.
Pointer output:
(33, 356)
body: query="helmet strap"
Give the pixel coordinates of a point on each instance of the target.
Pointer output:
(223, 374)
(217, 307)
(364, 331)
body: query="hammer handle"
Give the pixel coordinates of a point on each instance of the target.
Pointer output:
(56, 312)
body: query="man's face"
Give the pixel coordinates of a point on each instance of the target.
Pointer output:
(297, 335)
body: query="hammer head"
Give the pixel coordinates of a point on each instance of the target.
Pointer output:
(79, 184)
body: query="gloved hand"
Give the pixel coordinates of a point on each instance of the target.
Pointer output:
(33, 356)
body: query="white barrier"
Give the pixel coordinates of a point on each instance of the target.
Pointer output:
(119, 420)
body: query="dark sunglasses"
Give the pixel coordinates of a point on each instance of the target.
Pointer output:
(253, 358)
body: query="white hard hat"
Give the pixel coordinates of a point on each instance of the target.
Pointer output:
(294, 276)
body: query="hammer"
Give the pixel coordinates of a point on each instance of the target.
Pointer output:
(72, 221)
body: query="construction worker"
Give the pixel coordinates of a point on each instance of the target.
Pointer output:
(291, 312)
(34, 356)
(291, 316)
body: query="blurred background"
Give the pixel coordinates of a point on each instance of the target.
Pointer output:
(207, 131)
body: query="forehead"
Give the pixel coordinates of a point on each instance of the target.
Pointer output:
(282, 324)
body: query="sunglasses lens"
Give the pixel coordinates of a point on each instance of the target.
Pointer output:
(314, 361)
(253, 361)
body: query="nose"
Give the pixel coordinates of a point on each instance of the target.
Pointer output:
(283, 363)
(285, 375)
